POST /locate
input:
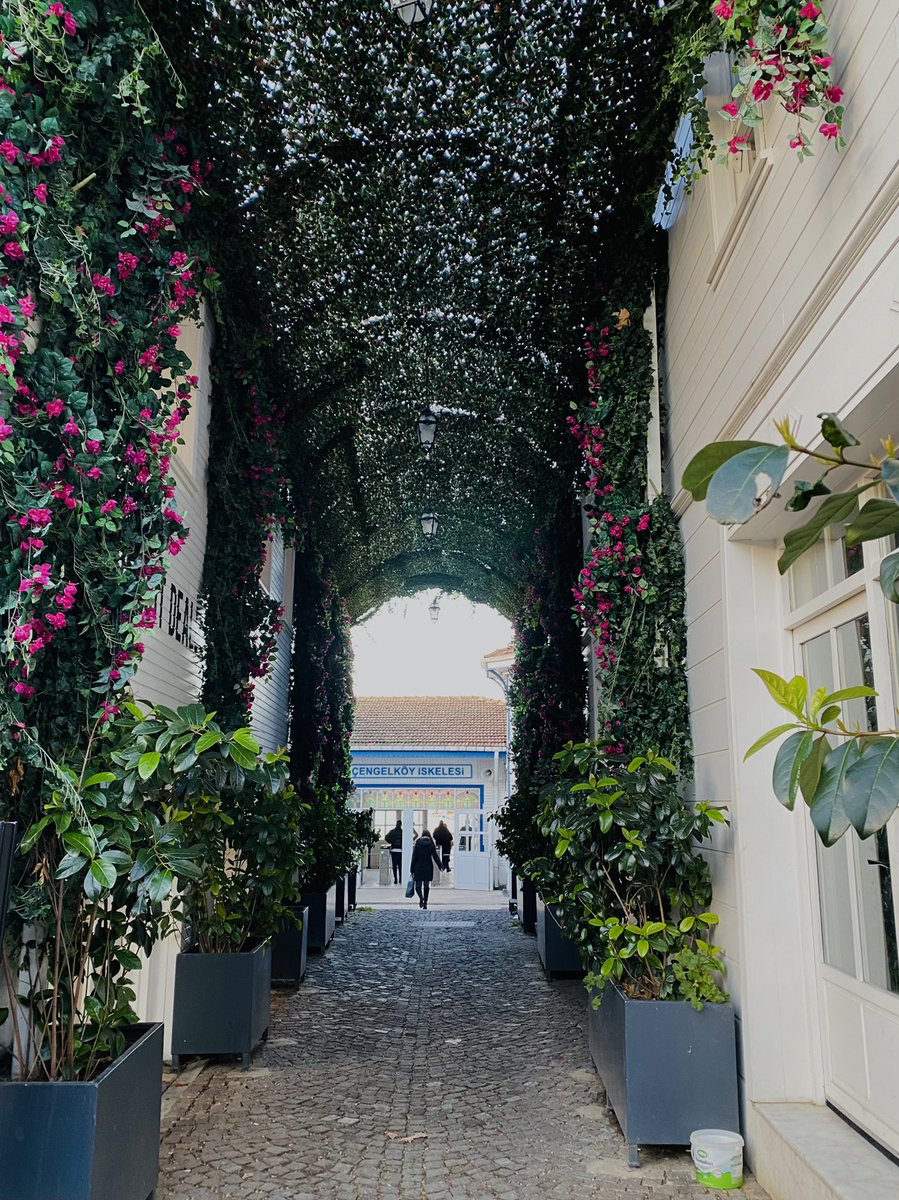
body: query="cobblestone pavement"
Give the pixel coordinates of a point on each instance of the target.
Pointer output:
(425, 1057)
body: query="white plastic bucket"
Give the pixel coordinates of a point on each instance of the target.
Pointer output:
(718, 1158)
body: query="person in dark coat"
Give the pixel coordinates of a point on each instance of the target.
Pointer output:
(394, 840)
(424, 855)
(443, 839)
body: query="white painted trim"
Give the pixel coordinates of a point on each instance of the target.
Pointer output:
(725, 252)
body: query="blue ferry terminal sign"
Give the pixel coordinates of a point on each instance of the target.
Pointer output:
(417, 772)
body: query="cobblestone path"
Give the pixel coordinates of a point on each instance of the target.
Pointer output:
(424, 1058)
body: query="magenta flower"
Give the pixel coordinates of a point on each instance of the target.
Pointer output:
(811, 12)
(9, 151)
(14, 251)
(28, 307)
(723, 11)
(54, 408)
(830, 130)
(40, 193)
(109, 506)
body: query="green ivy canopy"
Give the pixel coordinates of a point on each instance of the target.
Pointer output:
(426, 216)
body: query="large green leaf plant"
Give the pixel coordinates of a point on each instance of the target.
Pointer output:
(847, 775)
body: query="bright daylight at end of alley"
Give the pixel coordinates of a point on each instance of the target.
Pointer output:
(449, 599)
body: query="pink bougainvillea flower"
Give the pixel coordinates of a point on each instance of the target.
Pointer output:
(92, 446)
(119, 368)
(72, 428)
(103, 283)
(10, 151)
(25, 690)
(723, 11)
(5, 430)
(178, 259)
(6, 317)
(109, 506)
(823, 63)
(108, 712)
(147, 619)
(128, 264)
(40, 193)
(737, 144)
(732, 109)
(56, 10)
(57, 619)
(54, 408)
(834, 94)
(22, 633)
(762, 89)
(14, 251)
(28, 307)
(810, 12)
(94, 473)
(830, 130)
(70, 24)
(9, 221)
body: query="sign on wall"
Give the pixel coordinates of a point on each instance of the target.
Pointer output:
(414, 771)
(429, 798)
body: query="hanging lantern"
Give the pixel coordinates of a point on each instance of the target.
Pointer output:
(429, 525)
(434, 609)
(427, 430)
(412, 11)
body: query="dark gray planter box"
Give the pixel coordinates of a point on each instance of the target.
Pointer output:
(322, 918)
(527, 905)
(289, 946)
(340, 900)
(351, 880)
(667, 1069)
(222, 1003)
(86, 1141)
(558, 954)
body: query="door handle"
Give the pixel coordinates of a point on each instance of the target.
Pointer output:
(874, 862)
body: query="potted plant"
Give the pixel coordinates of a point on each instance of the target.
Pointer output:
(94, 881)
(330, 831)
(558, 954)
(239, 805)
(521, 841)
(631, 889)
(364, 837)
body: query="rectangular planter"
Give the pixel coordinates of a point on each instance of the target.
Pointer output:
(322, 918)
(667, 1069)
(527, 905)
(351, 880)
(289, 948)
(222, 1003)
(86, 1141)
(340, 900)
(558, 954)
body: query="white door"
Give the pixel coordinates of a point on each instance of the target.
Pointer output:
(470, 861)
(856, 881)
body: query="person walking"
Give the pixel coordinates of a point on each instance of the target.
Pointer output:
(443, 839)
(424, 855)
(394, 840)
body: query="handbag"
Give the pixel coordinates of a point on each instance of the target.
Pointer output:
(410, 889)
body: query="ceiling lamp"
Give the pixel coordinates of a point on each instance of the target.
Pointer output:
(429, 525)
(427, 430)
(412, 11)
(434, 608)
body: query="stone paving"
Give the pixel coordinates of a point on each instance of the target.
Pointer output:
(425, 1057)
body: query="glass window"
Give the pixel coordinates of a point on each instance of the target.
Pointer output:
(828, 562)
(857, 912)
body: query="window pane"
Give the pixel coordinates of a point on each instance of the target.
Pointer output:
(828, 562)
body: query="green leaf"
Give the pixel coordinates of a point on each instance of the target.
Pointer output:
(127, 958)
(211, 738)
(837, 508)
(33, 834)
(148, 763)
(244, 737)
(871, 791)
(790, 757)
(80, 843)
(737, 489)
(160, 886)
(70, 865)
(835, 432)
(100, 777)
(889, 577)
(827, 808)
(104, 872)
(780, 691)
(766, 738)
(703, 465)
(810, 771)
(879, 518)
(244, 758)
(804, 493)
(859, 692)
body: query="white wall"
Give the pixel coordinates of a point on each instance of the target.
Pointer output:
(271, 695)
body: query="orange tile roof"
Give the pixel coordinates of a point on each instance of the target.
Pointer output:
(461, 722)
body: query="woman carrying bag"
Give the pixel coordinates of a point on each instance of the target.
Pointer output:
(424, 856)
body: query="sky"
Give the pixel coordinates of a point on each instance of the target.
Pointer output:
(399, 651)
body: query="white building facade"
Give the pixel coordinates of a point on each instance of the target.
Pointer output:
(784, 302)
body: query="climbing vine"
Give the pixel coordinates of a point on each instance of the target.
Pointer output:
(99, 270)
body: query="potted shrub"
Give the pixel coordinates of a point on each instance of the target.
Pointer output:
(239, 805)
(94, 881)
(631, 890)
(364, 837)
(558, 954)
(290, 947)
(331, 833)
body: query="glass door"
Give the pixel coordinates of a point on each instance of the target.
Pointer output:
(856, 886)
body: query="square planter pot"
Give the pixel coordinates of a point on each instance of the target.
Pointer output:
(222, 1003)
(86, 1141)
(289, 948)
(558, 954)
(340, 900)
(667, 1069)
(527, 905)
(351, 881)
(322, 918)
